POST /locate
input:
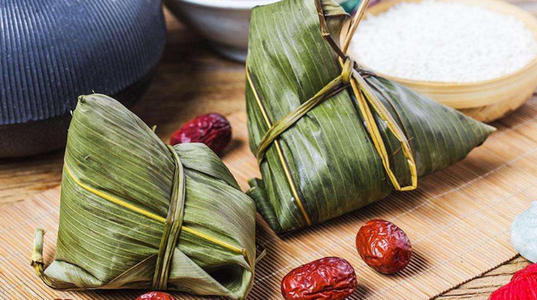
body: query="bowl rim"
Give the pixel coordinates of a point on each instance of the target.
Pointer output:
(383, 6)
(230, 4)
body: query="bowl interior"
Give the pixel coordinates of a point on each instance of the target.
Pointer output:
(499, 6)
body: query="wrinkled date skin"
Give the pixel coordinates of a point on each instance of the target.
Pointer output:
(329, 278)
(211, 129)
(383, 246)
(156, 296)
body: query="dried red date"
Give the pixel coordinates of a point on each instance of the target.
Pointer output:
(211, 129)
(383, 246)
(156, 296)
(329, 278)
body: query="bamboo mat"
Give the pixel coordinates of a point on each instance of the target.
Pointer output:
(458, 222)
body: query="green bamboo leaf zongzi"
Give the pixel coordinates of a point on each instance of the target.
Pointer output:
(136, 213)
(324, 154)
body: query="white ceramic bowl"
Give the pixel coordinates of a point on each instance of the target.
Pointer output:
(223, 22)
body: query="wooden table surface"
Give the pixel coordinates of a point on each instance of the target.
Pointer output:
(190, 80)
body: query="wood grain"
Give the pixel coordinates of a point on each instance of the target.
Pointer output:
(191, 80)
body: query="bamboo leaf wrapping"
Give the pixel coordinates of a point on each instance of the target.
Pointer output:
(110, 245)
(329, 153)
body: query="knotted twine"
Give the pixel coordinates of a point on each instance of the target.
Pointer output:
(172, 227)
(351, 76)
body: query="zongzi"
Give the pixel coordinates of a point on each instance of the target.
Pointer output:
(136, 213)
(331, 137)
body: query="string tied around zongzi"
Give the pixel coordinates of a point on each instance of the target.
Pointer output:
(335, 86)
(367, 102)
(366, 99)
(174, 222)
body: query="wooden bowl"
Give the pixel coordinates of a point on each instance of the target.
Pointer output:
(483, 100)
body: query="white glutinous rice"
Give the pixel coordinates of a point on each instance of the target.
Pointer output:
(443, 41)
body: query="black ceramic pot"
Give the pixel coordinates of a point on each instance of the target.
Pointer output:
(52, 51)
